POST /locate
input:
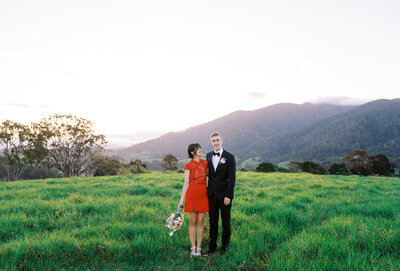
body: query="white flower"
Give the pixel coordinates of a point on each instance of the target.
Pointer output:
(222, 161)
(174, 222)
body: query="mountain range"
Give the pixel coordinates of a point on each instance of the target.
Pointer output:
(374, 127)
(288, 132)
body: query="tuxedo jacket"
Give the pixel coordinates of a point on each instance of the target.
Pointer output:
(221, 182)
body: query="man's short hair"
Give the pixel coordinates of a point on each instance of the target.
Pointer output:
(216, 134)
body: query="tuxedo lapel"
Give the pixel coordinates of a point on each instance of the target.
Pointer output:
(210, 164)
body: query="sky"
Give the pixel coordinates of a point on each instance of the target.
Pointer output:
(146, 67)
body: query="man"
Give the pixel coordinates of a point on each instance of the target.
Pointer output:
(221, 183)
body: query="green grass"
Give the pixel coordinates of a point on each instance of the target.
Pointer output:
(279, 221)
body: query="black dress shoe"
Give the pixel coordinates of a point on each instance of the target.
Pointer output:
(210, 253)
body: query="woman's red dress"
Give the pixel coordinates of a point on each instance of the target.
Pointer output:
(196, 195)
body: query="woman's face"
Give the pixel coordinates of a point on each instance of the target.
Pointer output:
(199, 153)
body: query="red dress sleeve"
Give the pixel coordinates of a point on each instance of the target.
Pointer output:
(187, 166)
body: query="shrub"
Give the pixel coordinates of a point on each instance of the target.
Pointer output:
(381, 165)
(311, 167)
(137, 166)
(266, 167)
(106, 166)
(338, 169)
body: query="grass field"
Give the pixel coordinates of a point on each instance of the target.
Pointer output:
(279, 221)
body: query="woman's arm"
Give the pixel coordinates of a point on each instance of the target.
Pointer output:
(185, 187)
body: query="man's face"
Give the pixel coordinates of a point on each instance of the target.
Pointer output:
(216, 142)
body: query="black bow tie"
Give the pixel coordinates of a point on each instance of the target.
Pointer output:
(215, 153)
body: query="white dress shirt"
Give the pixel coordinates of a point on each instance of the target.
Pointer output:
(216, 158)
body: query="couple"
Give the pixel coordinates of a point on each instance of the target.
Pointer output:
(199, 198)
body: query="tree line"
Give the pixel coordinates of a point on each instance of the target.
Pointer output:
(66, 145)
(59, 145)
(357, 162)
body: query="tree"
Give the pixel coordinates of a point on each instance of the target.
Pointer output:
(137, 166)
(106, 166)
(65, 142)
(170, 162)
(311, 167)
(397, 163)
(381, 165)
(338, 169)
(36, 152)
(3, 174)
(13, 139)
(266, 167)
(358, 162)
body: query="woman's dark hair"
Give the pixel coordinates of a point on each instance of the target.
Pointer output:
(193, 148)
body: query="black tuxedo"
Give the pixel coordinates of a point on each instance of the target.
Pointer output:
(221, 184)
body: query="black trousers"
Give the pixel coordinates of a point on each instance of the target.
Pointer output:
(215, 206)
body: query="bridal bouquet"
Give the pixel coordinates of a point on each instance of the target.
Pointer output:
(175, 221)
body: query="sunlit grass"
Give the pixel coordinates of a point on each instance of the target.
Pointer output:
(280, 222)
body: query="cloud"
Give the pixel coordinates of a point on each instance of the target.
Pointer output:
(116, 141)
(254, 96)
(305, 64)
(26, 106)
(339, 100)
(72, 74)
(14, 55)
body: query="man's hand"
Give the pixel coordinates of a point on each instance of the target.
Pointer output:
(227, 201)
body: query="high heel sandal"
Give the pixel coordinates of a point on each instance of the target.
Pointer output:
(193, 251)
(198, 253)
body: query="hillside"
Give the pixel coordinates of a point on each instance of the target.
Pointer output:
(241, 129)
(374, 127)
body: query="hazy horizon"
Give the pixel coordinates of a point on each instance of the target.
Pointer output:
(139, 66)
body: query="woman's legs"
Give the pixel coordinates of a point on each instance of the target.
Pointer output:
(200, 226)
(192, 228)
(196, 220)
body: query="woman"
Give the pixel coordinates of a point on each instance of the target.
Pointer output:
(194, 194)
